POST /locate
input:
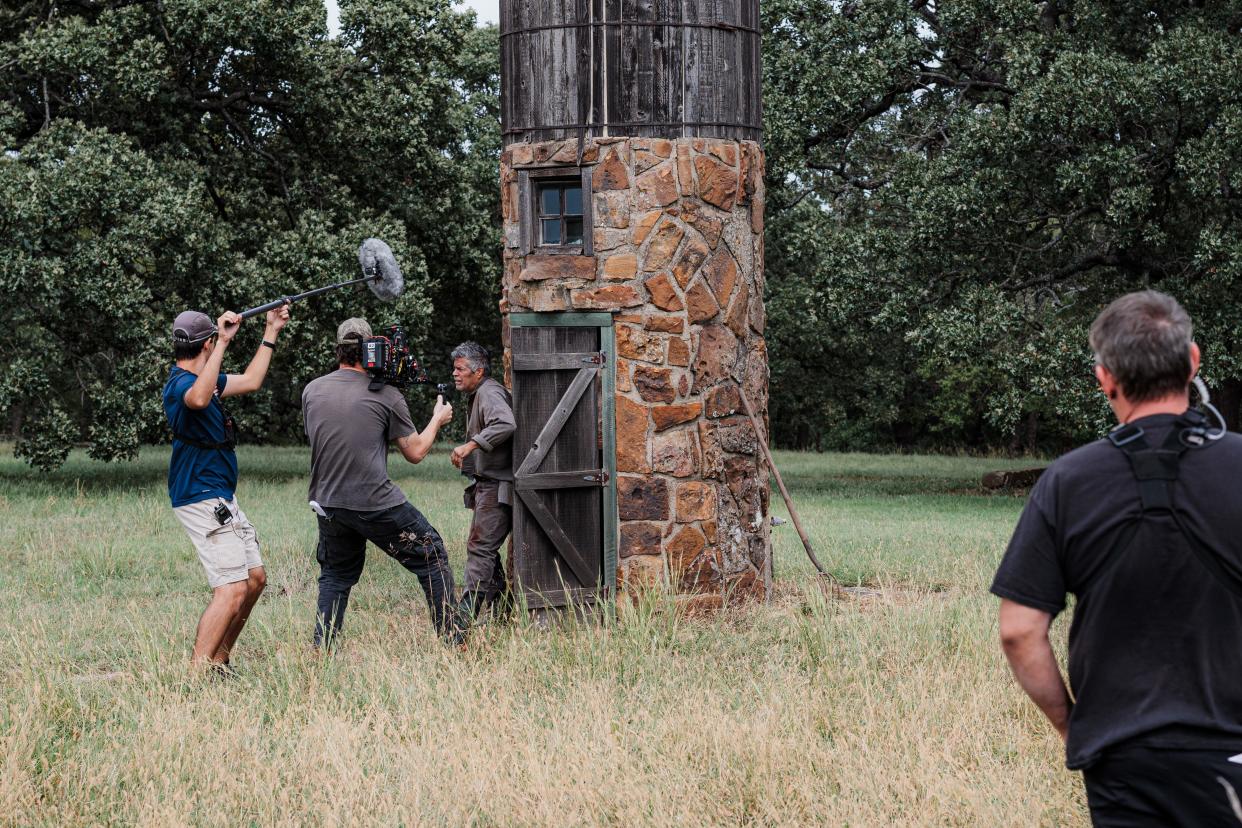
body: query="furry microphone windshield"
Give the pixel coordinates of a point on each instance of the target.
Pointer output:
(380, 266)
(379, 270)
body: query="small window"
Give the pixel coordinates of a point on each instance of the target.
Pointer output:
(555, 212)
(560, 213)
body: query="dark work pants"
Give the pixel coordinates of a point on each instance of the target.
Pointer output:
(485, 573)
(405, 535)
(1147, 787)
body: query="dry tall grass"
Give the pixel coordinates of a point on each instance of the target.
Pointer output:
(896, 709)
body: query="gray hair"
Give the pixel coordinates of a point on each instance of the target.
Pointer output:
(1143, 339)
(476, 356)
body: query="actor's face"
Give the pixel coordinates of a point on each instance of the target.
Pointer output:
(465, 379)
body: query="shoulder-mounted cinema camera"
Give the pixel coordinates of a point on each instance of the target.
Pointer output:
(389, 361)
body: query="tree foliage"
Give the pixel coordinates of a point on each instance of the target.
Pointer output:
(956, 189)
(217, 154)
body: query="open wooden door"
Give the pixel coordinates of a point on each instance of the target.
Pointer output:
(564, 457)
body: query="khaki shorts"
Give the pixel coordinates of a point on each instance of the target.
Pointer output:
(227, 552)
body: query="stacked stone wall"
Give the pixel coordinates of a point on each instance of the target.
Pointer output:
(678, 257)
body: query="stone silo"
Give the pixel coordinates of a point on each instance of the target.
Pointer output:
(632, 190)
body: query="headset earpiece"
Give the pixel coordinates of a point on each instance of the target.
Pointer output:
(1205, 400)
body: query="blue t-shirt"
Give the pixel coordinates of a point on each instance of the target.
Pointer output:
(195, 473)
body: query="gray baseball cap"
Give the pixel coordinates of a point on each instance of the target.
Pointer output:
(352, 330)
(193, 326)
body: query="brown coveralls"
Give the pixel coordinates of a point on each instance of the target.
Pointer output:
(490, 424)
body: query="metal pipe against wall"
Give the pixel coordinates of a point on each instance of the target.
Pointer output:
(762, 439)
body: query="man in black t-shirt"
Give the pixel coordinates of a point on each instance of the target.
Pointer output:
(1145, 530)
(349, 427)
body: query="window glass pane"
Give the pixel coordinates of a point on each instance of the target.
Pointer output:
(552, 231)
(573, 230)
(549, 201)
(573, 201)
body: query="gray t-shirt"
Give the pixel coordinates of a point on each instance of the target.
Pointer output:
(349, 427)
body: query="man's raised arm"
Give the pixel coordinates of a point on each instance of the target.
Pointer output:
(198, 396)
(414, 447)
(256, 371)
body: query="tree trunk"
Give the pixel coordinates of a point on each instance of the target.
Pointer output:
(17, 416)
(1228, 400)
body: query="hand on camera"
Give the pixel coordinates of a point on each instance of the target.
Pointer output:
(278, 318)
(227, 325)
(443, 411)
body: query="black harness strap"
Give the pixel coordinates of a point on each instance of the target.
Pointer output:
(190, 441)
(230, 433)
(1156, 470)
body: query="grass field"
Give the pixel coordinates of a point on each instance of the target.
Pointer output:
(894, 709)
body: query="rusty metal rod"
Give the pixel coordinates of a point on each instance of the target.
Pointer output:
(793, 513)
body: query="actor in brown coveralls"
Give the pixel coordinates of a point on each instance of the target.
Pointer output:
(486, 458)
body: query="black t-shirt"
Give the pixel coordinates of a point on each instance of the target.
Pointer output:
(1155, 647)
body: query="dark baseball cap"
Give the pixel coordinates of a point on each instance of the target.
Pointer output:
(193, 326)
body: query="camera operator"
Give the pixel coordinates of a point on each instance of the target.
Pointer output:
(1142, 527)
(487, 459)
(202, 473)
(349, 427)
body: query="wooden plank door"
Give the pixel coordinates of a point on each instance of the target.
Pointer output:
(564, 457)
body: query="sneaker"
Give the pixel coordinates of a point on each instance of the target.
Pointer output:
(222, 671)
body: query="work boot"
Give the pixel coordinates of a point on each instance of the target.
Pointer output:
(457, 632)
(502, 605)
(471, 604)
(454, 625)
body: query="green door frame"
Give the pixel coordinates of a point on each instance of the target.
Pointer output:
(608, 415)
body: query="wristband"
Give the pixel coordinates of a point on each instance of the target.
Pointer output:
(271, 345)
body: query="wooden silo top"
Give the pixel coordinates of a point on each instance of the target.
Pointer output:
(659, 68)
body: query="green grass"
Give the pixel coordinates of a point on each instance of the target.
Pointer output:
(893, 709)
(923, 522)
